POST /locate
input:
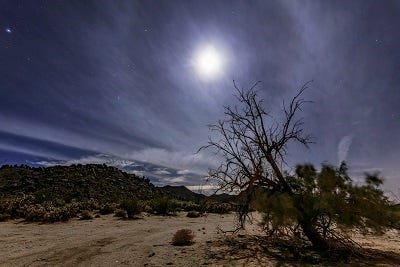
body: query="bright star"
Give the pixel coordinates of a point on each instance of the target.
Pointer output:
(8, 30)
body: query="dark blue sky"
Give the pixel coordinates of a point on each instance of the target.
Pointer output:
(115, 81)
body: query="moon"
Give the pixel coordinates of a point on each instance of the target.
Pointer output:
(208, 62)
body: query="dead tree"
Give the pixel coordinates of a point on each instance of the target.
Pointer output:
(254, 146)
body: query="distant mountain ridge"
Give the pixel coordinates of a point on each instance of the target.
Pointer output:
(182, 192)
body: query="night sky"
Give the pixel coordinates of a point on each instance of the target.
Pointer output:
(118, 82)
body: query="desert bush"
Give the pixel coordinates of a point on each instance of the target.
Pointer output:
(193, 214)
(163, 206)
(132, 207)
(36, 213)
(107, 208)
(48, 211)
(4, 217)
(86, 215)
(16, 207)
(65, 213)
(120, 213)
(147, 207)
(216, 207)
(183, 237)
(189, 206)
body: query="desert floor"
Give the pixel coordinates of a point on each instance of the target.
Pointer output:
(110, 241)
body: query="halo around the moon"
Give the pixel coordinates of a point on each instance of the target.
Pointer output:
(208, 62)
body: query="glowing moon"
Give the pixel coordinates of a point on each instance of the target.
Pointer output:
(208, 62)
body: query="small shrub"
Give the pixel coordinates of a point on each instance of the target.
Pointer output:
(193, 214)
(107, 209)
(120, 213)
(216, 207)
(183, 237)
(189, 206)
(86, 215)
(36, 213)
(64, 214)
(163, 206)
(132, 207)
(147, 207)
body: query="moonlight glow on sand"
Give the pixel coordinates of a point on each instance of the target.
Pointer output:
(208, 62)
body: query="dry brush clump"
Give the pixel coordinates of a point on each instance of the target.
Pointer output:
(183, 237)
(33, 210)
(193, 214)
(120, 213)
(219, 208)
(107, 208)
(86, 215)
(132, 207)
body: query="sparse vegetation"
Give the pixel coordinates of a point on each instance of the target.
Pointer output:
(107, 208)
(164, 206)
(86, 215)
(217, 207)
(120, 213)
(193, 214)
(183, 237)
(59, 193)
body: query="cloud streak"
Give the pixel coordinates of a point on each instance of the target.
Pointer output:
(343, 148)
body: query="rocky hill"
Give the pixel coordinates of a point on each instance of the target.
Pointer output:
(100, 182)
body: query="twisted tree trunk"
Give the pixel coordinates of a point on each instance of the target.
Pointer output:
(313, 235)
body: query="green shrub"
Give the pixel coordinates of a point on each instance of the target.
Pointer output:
(183, 237)
(163, 206)
(132, 207)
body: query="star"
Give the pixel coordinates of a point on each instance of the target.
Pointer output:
(8, 30)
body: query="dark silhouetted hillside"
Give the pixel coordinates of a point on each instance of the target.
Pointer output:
(96, 181)
(183, 193)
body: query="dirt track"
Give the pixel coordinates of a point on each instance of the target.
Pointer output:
(109, 241)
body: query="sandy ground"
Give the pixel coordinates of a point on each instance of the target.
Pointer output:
(109, 241)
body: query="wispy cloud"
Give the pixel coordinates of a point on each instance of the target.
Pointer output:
(159, 174)
(344, 147)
